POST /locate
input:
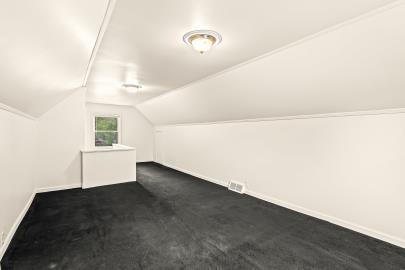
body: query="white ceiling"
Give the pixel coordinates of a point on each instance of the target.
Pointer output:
(143, 41)
(45, 48)
(357, 66)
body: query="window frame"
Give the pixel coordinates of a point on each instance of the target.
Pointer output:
(117, 116)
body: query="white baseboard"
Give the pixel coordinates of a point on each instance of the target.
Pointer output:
(372, 233)
(108, 184)
(23, 212)
(221, 183)
(14, 228)
(56, 188)
(351, 226)
(144, 161)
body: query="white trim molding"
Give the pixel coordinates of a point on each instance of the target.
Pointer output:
(14, 228)
(337, 221)
(206, 178)
(57, 188)
(95, 115)
(292, 117)
(303, 40)
(354, 227)
(346, 224)
(100, 35)
(24, 211)
(7, 108)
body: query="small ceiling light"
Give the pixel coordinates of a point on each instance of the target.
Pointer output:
(202, 40)
(132, 87)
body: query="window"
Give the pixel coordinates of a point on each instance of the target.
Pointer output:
(106, 130)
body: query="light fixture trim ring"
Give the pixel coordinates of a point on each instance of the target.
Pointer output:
(214, 36)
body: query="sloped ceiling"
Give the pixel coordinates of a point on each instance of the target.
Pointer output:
(143, 41)
(356, 66)
(45, 48)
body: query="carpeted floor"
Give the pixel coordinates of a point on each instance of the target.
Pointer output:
(170, 220)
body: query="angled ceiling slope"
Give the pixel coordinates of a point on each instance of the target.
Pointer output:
(45, 47)
(356, 66)
(143, 41)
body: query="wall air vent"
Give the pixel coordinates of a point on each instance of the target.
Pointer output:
(237, 187)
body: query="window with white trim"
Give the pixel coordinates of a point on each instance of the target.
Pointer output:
(106, 130)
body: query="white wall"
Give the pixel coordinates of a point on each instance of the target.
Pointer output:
(60, 139)
(17, 146)
(48, 51)
(348, 170)
(136, 130)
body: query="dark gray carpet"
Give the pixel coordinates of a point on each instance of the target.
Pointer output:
(170, 220)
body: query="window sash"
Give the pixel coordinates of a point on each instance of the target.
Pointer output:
(116, 118)
(95, 131)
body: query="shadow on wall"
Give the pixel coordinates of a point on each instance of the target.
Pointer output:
(74, 170)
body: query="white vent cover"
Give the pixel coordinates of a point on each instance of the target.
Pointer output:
(237, 187)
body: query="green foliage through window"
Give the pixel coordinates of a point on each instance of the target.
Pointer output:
(106, 123)
(106, 133)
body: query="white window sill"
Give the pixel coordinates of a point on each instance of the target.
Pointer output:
(115, 147)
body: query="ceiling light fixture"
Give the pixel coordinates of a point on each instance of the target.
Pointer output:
(132, 87)
(202, 40)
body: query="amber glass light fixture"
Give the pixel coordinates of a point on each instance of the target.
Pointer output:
(202, 40)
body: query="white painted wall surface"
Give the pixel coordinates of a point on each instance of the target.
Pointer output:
(17, 146)
(136, 130)
(60, 139)
(348, 170)
(108, 166)
(45, 47)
